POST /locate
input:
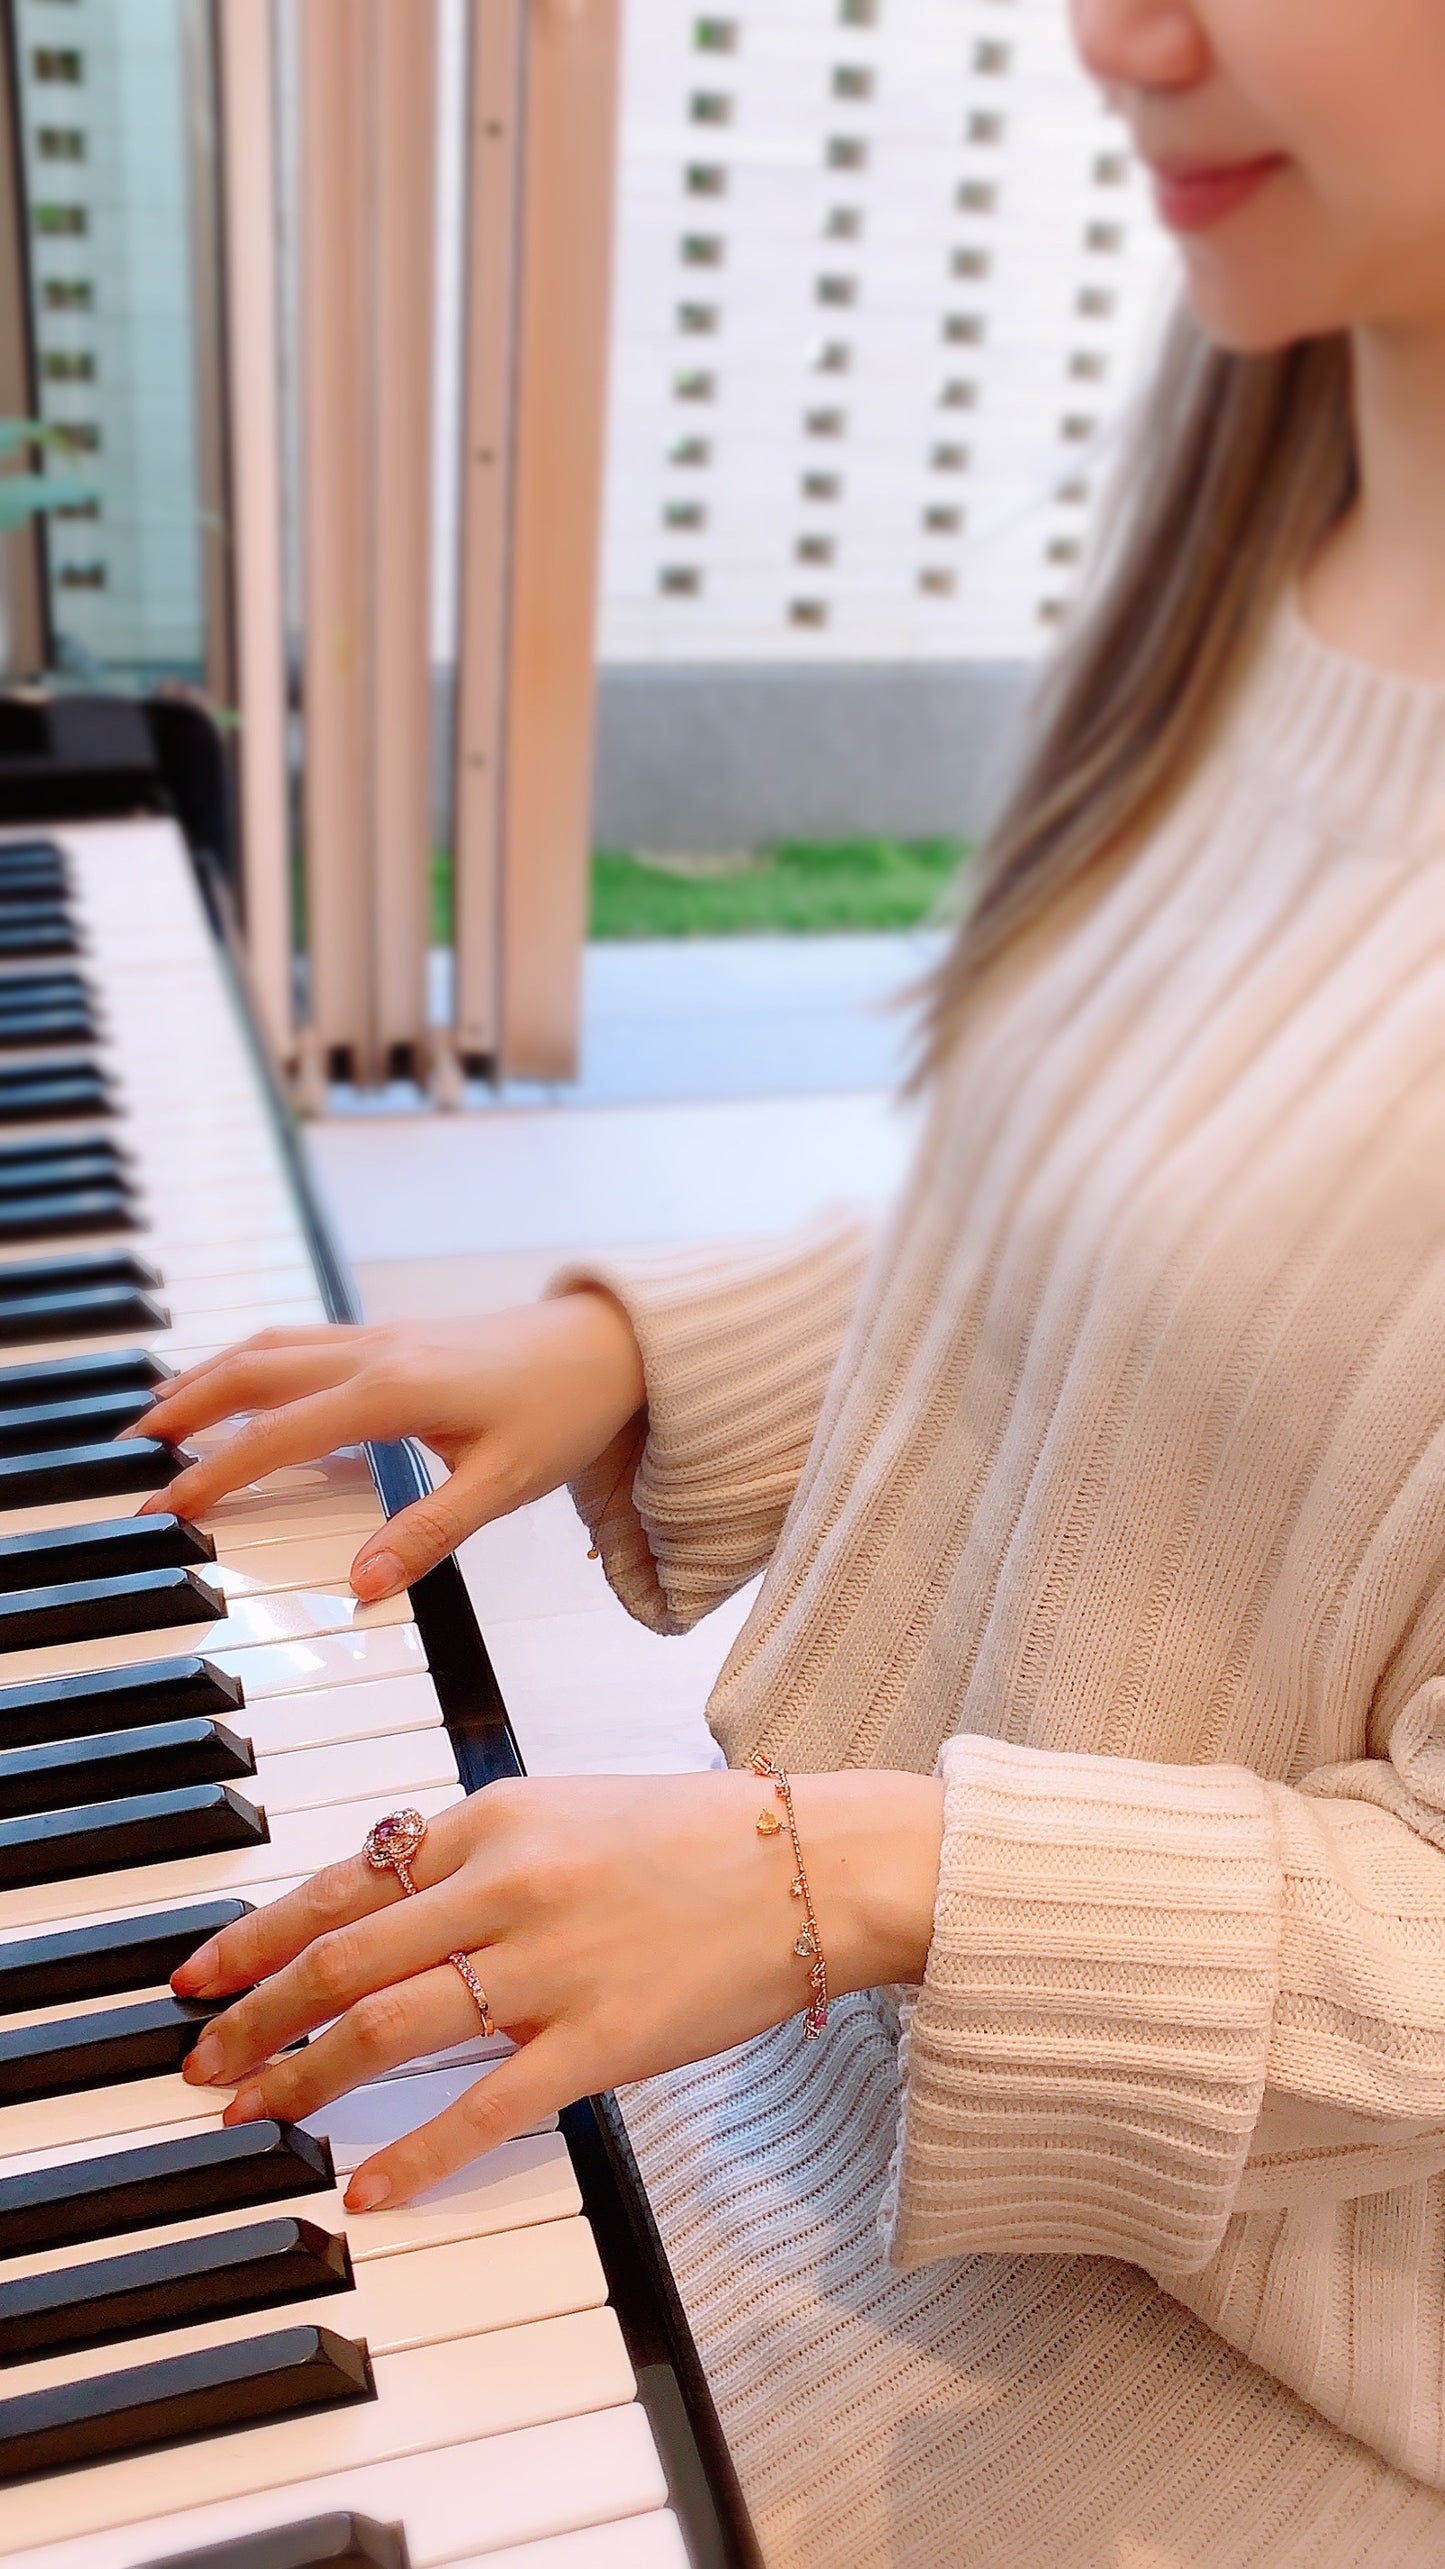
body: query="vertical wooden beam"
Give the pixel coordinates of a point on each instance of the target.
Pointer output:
(569, 156)
(335, 385)
(404, 75)
(22, 552)
(246, 85)
(368, 216)
(493, 181)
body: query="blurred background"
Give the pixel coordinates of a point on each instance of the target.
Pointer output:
(579, 492)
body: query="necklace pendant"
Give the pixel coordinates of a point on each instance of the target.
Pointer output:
(805, 1945)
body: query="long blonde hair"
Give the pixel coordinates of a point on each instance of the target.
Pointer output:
(1239, 467)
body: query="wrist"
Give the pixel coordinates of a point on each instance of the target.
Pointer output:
(604, 1339)
(872, 1843)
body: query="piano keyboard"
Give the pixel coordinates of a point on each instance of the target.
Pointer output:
(198, 2345)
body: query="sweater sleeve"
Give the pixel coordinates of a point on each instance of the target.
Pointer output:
(1160, 1996)
(737, 1348)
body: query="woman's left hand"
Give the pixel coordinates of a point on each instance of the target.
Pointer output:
(619, 1926)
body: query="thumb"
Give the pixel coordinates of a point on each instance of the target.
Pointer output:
(419, 1536)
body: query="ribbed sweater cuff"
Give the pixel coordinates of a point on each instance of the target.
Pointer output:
(1084, 2065)
(737, 1347)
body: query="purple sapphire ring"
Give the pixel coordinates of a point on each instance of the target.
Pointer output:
(388, 1848)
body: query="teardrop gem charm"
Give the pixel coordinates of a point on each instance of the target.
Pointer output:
(804, 1945)
(769, 1824)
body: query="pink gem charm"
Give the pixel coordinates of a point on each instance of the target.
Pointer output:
(392, 1842)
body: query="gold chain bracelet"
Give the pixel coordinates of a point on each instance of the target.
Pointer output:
(807, 1944)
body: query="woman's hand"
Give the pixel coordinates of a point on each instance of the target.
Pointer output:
(619, 1926)
(514, 1404)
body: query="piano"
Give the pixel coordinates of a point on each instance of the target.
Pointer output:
(202, 2356)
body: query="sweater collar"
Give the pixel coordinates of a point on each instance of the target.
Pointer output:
(1360, 748)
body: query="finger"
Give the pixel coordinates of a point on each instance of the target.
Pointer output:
(311, 1333)
(295, 1434)
(270, 1938)
(382, 2031)
(418, 1537)
(244, 1382)
(518, 2094)
(330, 1974)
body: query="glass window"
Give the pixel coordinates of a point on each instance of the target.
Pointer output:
(680, 582)
(850, 80)
(716, 35)
(702, 250)
(700, 180)
(821, 486)
(57, 62)
(710, 107)
(808, 611)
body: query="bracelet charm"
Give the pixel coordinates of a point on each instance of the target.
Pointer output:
(808, 1943)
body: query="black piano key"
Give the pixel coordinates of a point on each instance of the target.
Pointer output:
(112, 1837)
(287, 2374)
(73, 1377)
(53, 1095)
(40, 879)
(18, 855)
(40, 932)
(115, 1699)
(99, 1609)
(162, 1758)
(30, 1030)
(42, 1173)
(220, 2275)
(103, 2049)
(109, 1956)
(341, 2541)
(87, 1472)
(111, 1548)
(94, 1311)
(35, 1427)
(22, 1278)
(65, 1216)
(224, 2168)
(52, 981)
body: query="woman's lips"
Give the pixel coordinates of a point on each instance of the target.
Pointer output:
(1191, 197)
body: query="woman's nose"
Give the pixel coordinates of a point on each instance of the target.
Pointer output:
(1141, 44)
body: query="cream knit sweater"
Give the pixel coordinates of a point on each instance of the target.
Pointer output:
(1124, 1502)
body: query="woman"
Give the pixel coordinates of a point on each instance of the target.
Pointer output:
(1103, 1511)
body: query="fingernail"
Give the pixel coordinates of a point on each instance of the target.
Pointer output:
(366, 2190)
(198, 1973)
(248, 2105)
(203, 2061)
(379, 1575)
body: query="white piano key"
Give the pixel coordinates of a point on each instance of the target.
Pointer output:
(300, 1843)
(390, 1768)
(511, 2489)
(643, 2542)
(372, 2117)
(425, 2401)
(327, 1659)
(463, 2289)
(330, 1717)
(519, 2186)
(296, 1614)
(267, 1569)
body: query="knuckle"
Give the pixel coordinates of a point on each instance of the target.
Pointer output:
(329, 1973)
(327, 1897)
(379, 2023)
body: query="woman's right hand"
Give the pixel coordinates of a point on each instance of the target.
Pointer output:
(514, 1404)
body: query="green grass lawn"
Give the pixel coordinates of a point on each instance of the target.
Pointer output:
(793, 888)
